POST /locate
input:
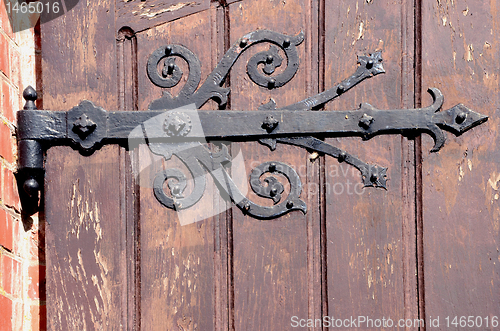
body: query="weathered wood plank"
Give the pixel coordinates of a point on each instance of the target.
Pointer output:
(370, 232)
(177, 249)
(271, 257)
(461, 213)
(140, 15)
(85, 227)
(85, 241)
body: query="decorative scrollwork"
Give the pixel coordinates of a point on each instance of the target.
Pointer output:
(199, 160)
(271, 60)
(171, 74)
(176, 188)
(274, 188)
(182, 131)
(212, 87)
(260, 69)
(178, 201)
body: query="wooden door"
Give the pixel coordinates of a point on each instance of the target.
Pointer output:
(426, 247)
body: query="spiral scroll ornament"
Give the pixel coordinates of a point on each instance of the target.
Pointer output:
(170, 74)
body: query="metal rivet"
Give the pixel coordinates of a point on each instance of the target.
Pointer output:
(340, 89)
(272, 82)
(168, 49)
(243, 42)
(270, 123)
(269, 59)
(274, 191)
(365, 121)
(374, 177)
(272, 167)
(246, 207)
(170, 68)
(177, 124)
(286, 42)
(461, 116)
(176, 189)
(289, 204)
(84, 126)
(342, 156)
(369, 64)
(177, 204)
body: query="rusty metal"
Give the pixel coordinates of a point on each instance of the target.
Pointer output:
(183, 130)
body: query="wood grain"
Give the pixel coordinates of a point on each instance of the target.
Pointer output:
(427, 246)
(140, 15)
(86, 236)
(271, 257)
(461, 212)
(370, 232)
(177, 260)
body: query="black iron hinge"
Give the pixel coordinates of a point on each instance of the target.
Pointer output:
(176, 126)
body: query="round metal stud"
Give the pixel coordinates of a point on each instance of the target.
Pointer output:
(170, 68)
(342, 156)
(177, 124)
(460, 118)
(31, 187)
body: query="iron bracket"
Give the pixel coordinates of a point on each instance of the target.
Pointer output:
(176, 126)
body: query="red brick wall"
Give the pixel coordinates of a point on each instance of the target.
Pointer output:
(22, 264)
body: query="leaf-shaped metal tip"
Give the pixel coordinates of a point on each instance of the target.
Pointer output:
(269, 142)
(270, 105)
(459, 119)
(374, 176)
(299, 38)
(297, 204)
(373, 63)
(438, 136)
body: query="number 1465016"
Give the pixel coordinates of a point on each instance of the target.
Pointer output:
(36, 7)
(472, 321)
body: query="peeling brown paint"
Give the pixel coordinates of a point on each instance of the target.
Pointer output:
(469, 53)
(149, 13)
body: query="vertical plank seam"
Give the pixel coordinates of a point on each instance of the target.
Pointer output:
(130, 194)
(418, 166)
(135, 194)
(410, 282)
(322, 165)
(313, 223)
(229, 211)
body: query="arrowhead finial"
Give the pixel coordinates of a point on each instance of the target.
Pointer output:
(459, 119)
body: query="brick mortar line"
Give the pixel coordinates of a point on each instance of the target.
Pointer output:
(7, 164)
(32, 302)
(6, 78)
(4, 251)
(11, 125)
(12, 211)
(11, 41)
